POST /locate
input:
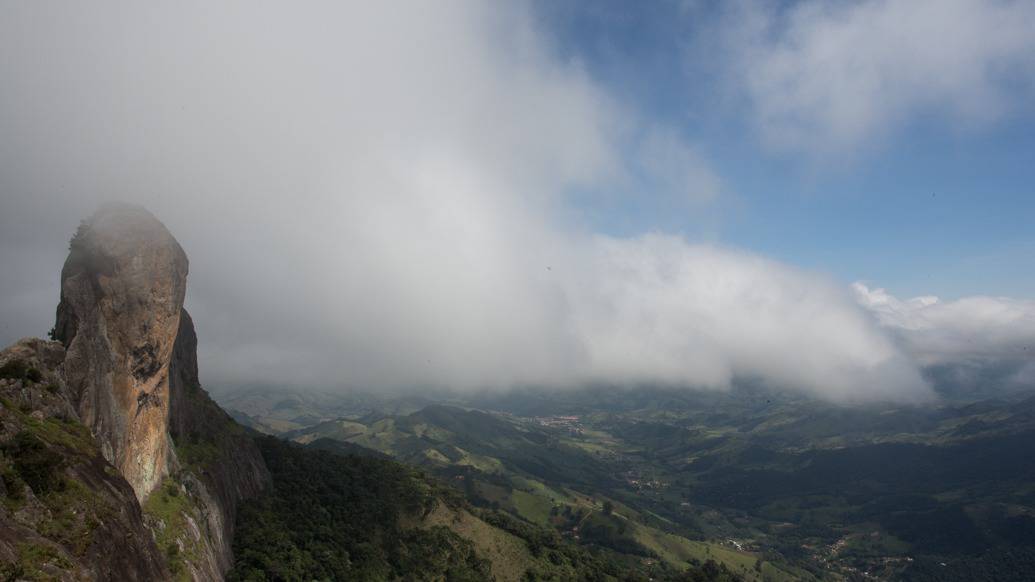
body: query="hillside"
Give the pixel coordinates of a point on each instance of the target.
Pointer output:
(276, 411)
(541, 472)
(64, 505)
(342, 516)
(803, 488)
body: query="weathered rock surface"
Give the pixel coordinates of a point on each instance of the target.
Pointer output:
(66, 513)
(122, 289)
(114, 462)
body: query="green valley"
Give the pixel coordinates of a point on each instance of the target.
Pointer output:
(770, 486)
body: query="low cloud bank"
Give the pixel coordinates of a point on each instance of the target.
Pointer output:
(978, 339)
(390, 210)
(656, 308)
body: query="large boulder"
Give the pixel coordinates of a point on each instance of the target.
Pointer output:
(122, 291)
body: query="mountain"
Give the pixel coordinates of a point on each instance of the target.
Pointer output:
(544, 472)
(276, 410)
(804, 489)
(335, 515)
(122, 290)
(116, 463)
(441, 436)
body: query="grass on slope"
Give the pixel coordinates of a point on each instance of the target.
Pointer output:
(678, 550)
(534, 508)
(172, 507)
(508, 553)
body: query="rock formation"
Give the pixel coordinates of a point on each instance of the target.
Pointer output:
(122, 290)
(114, 462)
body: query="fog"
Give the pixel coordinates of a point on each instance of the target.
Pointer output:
(378, 197)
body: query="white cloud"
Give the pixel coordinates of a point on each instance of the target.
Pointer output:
(996, 332)
(825, 76)
(373, 196)
(656, 308)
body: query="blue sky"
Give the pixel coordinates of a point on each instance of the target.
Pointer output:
(931, 206)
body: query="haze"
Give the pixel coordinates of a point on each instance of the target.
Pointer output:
(468, 202)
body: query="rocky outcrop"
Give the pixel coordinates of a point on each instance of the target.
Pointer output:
(115, 463)
(122, 289)
(65, 512)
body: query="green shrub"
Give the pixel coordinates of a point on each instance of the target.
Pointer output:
(14, 370)
(37, 465)
(33, 375)
(19, 370)
(13, 485)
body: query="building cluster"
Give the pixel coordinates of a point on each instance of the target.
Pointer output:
(570, 424)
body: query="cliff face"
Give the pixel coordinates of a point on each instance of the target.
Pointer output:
(109, 432)
(221, 464)
(122, 289)
(65, 512)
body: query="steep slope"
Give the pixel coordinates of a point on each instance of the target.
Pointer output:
(219, 463)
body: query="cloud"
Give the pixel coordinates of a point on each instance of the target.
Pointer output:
(824, 76)
(656, 308)
(993, 334)
(376, 196)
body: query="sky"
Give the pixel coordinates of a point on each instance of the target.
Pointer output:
(913, 170)
(830, 197)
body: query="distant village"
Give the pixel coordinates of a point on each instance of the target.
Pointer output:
(569, 424)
